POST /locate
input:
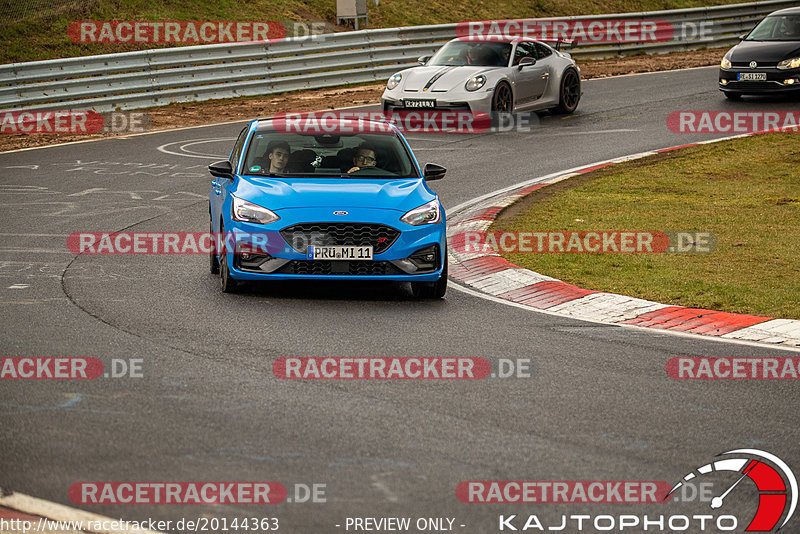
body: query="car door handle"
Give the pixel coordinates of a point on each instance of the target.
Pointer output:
(545, 75)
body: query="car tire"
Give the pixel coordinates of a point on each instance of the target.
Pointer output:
(226, 283)
(569, 92)
(213, 260)
(503, 99)
(431, 290)
(732, 96)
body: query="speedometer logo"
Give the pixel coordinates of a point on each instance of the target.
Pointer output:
(777, 485)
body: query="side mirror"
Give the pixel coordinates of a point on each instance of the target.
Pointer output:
(433, 172)
(221, 169)
(741, 37)
(423, 59)
(526, 61)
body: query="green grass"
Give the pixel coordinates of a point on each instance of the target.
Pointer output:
(746, 191)
(37, 29)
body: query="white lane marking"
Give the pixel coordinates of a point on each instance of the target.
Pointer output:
(34, 251)
(696, 337)
(595, 132)
(33, 235)
(19, 286)
(189, 142)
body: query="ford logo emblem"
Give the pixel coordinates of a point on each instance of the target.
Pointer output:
(340, 213)
(753, 64)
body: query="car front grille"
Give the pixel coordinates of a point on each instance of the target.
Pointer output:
(345, 268)
(380, 237)
(755, 86)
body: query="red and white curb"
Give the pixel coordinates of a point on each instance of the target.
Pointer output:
(491, 274)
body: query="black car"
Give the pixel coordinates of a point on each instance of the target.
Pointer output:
(767, 61)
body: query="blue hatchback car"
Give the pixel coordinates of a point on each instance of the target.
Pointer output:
(345, 200)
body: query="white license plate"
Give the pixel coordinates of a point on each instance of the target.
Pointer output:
(339, 253)
(752, 76)
(420, 103)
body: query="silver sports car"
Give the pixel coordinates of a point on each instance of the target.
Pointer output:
(497, 75)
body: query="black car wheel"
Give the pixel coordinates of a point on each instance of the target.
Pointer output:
(212, 256)
(570, 92)
(226, 283)
(502, 101)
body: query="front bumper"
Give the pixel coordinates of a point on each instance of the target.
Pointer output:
(777, 82)
(261, 252)
(478, 101)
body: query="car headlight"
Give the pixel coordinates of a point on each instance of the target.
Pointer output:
(244, 211)
(429, 213)
(475, 83)
(793, 63)
(725, 63)
(394, 81)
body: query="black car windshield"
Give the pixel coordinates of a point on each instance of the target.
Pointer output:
(469, 53)
(328, 155)
(776, 28)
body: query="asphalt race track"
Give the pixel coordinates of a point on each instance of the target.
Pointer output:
(598, 406)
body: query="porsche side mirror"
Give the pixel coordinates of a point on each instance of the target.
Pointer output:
(423, 59)
(526, 61)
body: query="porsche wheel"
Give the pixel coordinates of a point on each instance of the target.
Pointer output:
(502, 101)
(570, 92)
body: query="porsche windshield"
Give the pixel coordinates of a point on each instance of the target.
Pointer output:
(468, 53)
(777, 28)
(354, 155)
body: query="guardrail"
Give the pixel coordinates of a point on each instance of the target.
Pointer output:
(194, 73)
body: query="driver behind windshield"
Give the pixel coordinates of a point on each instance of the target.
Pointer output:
(364, 157)
(278, 153)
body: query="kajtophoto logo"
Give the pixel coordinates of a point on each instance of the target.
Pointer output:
(776, 484)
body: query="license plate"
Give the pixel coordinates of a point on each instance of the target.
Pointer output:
(339, 253)
(752, 76)
(420, 103)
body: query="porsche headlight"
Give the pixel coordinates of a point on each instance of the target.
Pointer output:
(475, 83)
(726, 63)
(244, 211)
(394, 81)
(429, 213)
(793, 63)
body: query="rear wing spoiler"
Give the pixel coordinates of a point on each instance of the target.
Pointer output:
(557, 44)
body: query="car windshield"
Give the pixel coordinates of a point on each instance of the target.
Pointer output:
(776, 28)
(469, 53)
(340, 155)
